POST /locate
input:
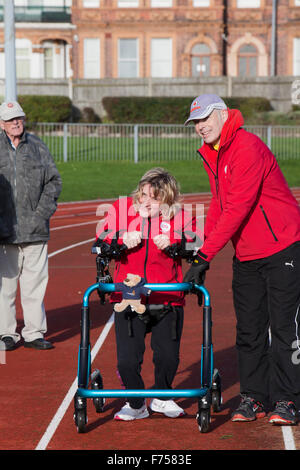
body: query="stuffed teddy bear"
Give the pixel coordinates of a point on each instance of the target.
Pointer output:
(132, 288)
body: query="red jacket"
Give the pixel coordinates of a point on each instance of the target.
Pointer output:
(146, 260)
(252, 204)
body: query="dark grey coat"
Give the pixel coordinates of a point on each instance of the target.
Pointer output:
(29, 188)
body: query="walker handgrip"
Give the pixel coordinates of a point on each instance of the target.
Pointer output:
(105, 250)
(177, 251)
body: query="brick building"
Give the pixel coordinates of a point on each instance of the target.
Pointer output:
(97, 39)
(44, 37)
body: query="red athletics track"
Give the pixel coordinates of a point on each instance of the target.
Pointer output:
(38, 386)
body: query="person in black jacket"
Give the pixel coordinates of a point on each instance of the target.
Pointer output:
(29, 186)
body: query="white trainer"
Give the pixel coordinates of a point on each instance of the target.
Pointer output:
(167, 407)
(127, 413)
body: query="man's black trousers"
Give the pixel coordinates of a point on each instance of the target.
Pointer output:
(131, 348)
(266, 296)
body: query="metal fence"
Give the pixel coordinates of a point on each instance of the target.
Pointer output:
(147, 142)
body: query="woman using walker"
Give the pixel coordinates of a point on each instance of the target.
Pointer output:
(149, 222)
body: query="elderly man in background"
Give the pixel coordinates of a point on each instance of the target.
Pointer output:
(29, 186)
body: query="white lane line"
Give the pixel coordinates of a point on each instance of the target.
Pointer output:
(68, 216)
(74, 225)
(43, 443)
(288, 438)
(89, 206)
(50, 431)
(70, 247)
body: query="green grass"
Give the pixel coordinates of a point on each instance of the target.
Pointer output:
(108, 149)
(180, 148)
(104, 180)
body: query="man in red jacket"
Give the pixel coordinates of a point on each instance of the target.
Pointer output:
(253, 207)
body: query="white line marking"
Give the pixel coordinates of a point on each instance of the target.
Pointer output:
(288, 438)
(42, 445)
(74, 225)
(72, 390)
(68, 216)
(77, 207)
(70, 247)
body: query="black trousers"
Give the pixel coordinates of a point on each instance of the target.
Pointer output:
(266, 296)
(131, 348)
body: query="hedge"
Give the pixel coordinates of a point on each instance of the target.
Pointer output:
(170, 110)
(155, 110)
(46, 108)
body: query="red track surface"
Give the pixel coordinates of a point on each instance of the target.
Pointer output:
(35, 383)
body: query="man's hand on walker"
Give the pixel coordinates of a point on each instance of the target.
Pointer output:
(197, 271)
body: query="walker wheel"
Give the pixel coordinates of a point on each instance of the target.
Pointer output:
(97, 384)
(203, 419)
(80, 413)
(216, 401)
(216, 394)
(80, 419)
(99, 404)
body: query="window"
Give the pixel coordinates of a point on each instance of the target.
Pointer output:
(200, 60)
(128, 3)
(46, 3)
(53, 3)
(33, 7)
(201, 3)
(247, 61)
(48, 61)
(161, 3)
(91, 56)
(161, 57)
(91, 3)
(55, 59)
(248, 3)
(128, 58)
(297, 3)
(23, 58)
(296, 57)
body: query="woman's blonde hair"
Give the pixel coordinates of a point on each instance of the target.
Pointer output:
(165, 188)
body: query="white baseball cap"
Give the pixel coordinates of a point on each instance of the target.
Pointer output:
(203, 105)
(11, 110)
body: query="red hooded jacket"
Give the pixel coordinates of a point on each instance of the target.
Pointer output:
(251, 204)
(146, 260)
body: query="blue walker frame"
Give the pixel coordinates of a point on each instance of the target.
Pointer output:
(209, 393)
